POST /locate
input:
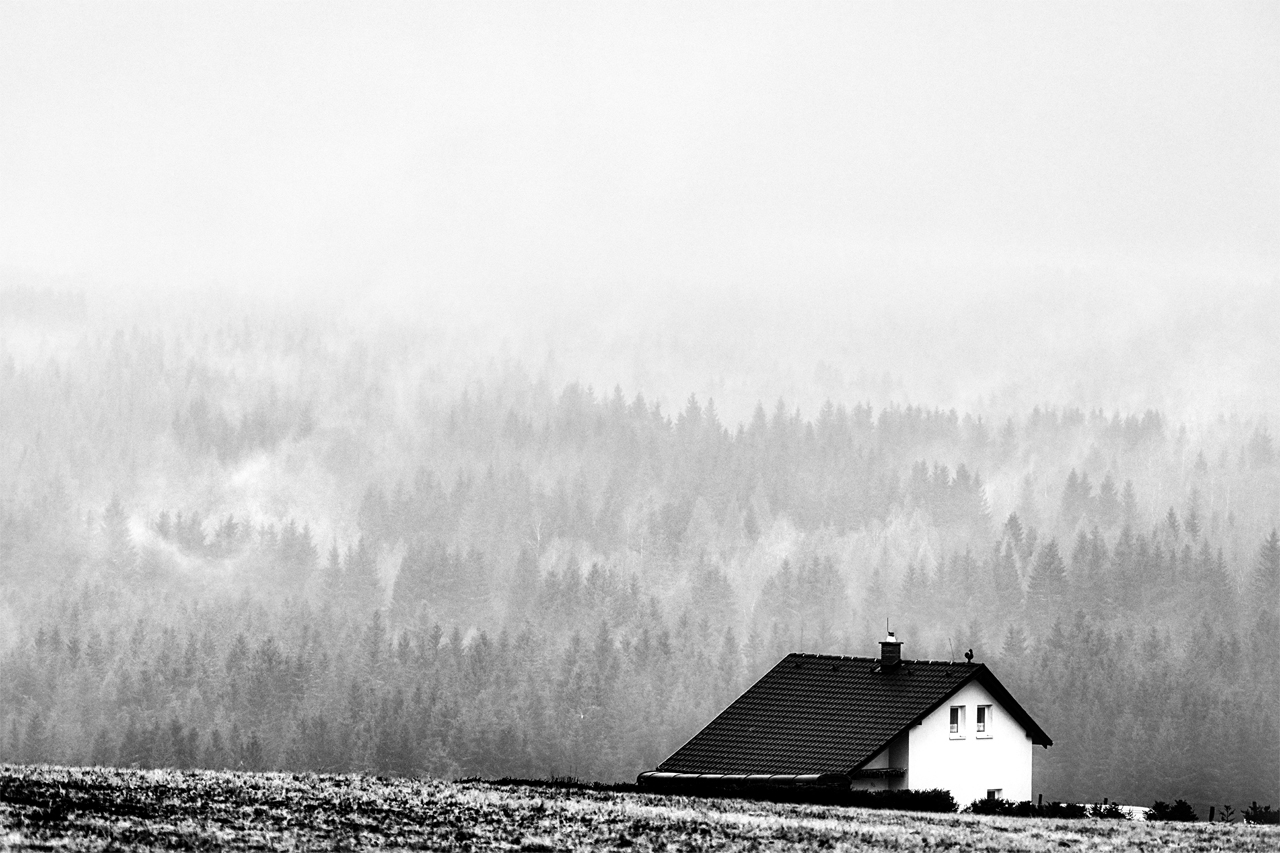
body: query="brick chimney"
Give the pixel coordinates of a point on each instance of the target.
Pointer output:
(890, 651)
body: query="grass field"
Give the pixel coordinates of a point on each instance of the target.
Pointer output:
(43, 808)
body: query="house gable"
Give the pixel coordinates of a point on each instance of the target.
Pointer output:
(1003, 698)
(956, 754)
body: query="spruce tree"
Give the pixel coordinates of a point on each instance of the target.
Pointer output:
(1265, 581)
(1048, 579)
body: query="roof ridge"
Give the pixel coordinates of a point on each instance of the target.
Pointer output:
(826, 657)
(947, 662)
(817, 656)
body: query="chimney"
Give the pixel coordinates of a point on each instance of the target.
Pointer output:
(890, 652)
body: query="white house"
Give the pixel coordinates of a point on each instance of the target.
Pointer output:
(869, 722)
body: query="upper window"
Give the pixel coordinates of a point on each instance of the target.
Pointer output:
(957, 721)
(982, 724)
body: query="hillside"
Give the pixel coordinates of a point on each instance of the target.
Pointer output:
(278, 544)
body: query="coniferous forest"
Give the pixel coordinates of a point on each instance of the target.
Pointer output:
(248, 543)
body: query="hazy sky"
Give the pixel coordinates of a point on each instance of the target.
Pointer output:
(519, 147)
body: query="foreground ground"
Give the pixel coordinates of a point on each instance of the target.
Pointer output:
(43, 808)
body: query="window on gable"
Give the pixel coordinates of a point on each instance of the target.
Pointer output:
(982, 723)
(957, 721)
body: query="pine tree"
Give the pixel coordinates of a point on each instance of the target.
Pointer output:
(1013, 530)
(1048, 579)
(122, 557)
(1096, 580)
(1073, 500)
(1079, 579)
(1129, 504)
(1006, 583)
(1108, 502)
(332, 576)
(412, 583)
(1191, 523)
(1015, 642)
(360, 582)
(1261, 451)
(1008, 440)
(1265, 581)
(915, 587)
(874, 602)
(523, 588)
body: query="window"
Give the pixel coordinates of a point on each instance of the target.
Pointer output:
(995, 793)
(982, 724)
(957, 721)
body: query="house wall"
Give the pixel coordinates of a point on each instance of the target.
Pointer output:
(970, 765)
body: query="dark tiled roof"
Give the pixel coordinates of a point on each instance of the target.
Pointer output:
(828, 714)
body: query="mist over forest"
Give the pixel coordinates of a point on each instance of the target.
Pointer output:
(239, 534)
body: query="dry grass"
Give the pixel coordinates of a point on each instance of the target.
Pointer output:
(76, 809)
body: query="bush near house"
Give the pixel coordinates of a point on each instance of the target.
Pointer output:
(1181, 810)
(1026, 808)
(1108, 811)
(930, 800)
(907, 800)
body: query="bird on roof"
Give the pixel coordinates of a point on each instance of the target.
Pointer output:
(969, 656)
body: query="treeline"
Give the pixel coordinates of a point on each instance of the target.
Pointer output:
(308, 688)
(274, 547)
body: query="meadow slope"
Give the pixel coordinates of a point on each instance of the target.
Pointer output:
(47, 807)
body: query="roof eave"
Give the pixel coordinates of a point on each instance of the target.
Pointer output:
(988, 679)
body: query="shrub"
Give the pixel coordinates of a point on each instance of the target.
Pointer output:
(1261, 814)
(1181, 810)
(832, 791)
(566, 782)
(990, 805)
(931, 800)
(1108, 811)
(1026, 808)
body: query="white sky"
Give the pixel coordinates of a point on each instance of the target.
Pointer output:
(524, 147)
